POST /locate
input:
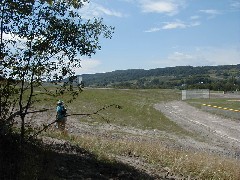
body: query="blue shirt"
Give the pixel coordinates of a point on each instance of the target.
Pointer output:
(60, 114)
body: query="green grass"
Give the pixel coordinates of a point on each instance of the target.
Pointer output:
(224, 103)
(228, 103)
(138, 112)
(137, 107)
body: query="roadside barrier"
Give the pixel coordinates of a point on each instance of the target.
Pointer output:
(219, 107)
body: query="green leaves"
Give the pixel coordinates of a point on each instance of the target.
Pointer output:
(43, 40)
(51, 31)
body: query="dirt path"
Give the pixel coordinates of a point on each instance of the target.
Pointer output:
(218, 134)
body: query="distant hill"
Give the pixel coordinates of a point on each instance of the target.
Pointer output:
(225, 77)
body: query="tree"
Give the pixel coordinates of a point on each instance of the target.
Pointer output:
(40, 42)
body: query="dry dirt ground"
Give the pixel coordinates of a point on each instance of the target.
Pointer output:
(213, 134)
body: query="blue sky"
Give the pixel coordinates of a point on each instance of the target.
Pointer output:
(165, 33)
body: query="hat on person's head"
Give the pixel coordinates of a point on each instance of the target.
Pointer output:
(60, 102)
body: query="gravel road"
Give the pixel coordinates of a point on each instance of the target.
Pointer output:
(217, 134)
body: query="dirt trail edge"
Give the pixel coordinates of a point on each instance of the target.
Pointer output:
(217, 134)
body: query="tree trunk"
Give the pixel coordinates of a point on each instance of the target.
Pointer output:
(22, 129)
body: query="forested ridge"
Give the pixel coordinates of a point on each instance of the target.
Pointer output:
(224, 77)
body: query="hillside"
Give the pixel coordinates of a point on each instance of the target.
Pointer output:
(225, 77)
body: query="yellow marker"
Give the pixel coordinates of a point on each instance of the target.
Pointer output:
(219, 107)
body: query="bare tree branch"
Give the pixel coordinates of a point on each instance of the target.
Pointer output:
(79, 114)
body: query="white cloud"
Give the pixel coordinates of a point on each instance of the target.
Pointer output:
(169, 7)
(159, 7)
(155, 29)
(221, 56)
(205, 56)
(129, 1)
(109, 12)
(211, 12)
(235, 4)
(179, 56)
(12, 37)
(92, 9)
(89, 66)
(174, 25)
(195, 17)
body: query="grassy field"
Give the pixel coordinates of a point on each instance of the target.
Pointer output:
(137, 111)
(137, 107)
(227, 106)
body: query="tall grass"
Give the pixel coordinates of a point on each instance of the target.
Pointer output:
(187, 164)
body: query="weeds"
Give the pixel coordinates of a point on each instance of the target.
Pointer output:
(189, 164)
(138, 112)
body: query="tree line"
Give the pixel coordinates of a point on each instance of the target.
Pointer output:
(220, 78)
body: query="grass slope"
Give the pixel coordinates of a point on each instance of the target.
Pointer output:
(137, 107)
(103, 152)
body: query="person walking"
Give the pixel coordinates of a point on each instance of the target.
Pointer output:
(61, 115)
